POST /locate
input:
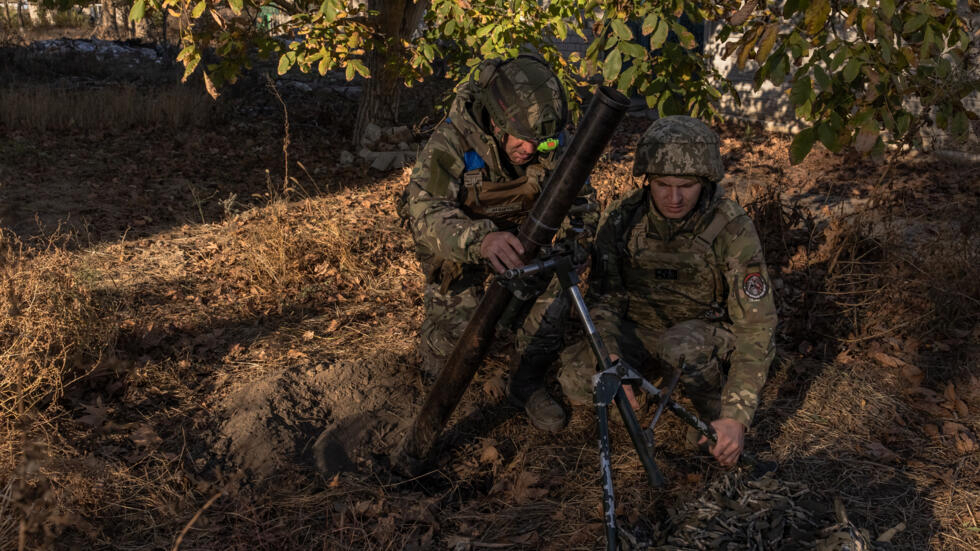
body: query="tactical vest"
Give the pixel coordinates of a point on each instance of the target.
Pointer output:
(670, 282)
(505, 203)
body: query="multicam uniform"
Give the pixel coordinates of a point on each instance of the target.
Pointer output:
(695, 289)
(461, 189)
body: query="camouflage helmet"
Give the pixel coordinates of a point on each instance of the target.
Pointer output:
(679, 146)
(524, 97)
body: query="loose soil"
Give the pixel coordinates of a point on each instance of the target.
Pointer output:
(261, 372)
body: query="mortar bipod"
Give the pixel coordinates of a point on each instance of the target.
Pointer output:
(607, 388)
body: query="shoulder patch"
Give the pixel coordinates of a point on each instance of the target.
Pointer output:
(754, 286)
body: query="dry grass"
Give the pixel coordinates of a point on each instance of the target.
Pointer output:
(110, 108)
(57, 323)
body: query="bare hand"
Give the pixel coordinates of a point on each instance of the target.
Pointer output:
(731, 441)
(503, 250)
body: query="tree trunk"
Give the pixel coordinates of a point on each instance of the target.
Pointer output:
(396, 19)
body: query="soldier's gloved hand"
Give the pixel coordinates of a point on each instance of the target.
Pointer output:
(503, 250)
(731, 440)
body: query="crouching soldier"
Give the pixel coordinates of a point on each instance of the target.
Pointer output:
(473, 185)
(679, 282)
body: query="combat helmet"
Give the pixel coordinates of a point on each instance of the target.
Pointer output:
(523, 97)
(679, 146)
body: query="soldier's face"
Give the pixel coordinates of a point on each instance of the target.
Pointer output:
(674, 196)
(520, 152)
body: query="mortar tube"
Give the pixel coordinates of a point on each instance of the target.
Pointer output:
(606, 110)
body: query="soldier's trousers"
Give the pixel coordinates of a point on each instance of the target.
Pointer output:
(447, 313)
(704, 347)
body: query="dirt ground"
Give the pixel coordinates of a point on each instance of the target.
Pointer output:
(201, 350)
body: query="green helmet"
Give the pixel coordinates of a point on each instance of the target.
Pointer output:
(679, 146)
(524, 97)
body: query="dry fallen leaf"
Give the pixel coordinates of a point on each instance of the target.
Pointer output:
(308, 336)
(950, 392)
(94, 414)
(950, 428)
(145, 436)
(495, 387)
(878, 451)
(965, 443)
(524, 491)
(334, 324)
(961, 409)
(930, 430)
(489, 454)
(888, 360)
(912, 374)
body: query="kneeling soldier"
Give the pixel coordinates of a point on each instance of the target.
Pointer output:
(679, 282)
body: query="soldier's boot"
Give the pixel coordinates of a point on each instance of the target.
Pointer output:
(527, 390)
(708, 408)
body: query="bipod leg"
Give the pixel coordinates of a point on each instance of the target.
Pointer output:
(643, 444)
(602, 395)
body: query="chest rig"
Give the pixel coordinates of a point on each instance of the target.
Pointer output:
(507, 202)
(675, 279)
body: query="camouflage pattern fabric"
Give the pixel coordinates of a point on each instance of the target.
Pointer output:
(703, 346)
(448, 238)
(525, 98)
(679, 145)
(659, 291)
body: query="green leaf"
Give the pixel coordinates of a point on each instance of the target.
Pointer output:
(450, 27)
(349, 73)
(685, 37)
(485, 30)
(198, 10)
(324, 65)
(852, 69)
(633, 50)
(828, 137)
(915, 23)
(329, 9)
(804, 110)
(887, 9)
(286, 61)
(767, 41)
(137, 11)
(236, 6)
(561, 31)
(800, 93)
(626, 79)
(822, 78)
(791, 7)
(621, 30)
(801, 146)
(358, 66)
(816, 16)
(612, 65)
(190, 65)
(187, 51)
(902, 123)
(659, 35)
(960, 124)
(650, 23)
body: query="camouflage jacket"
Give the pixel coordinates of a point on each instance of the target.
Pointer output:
(657, 272)
(432, 203)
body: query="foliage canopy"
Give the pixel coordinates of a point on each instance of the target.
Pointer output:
(861, 73)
